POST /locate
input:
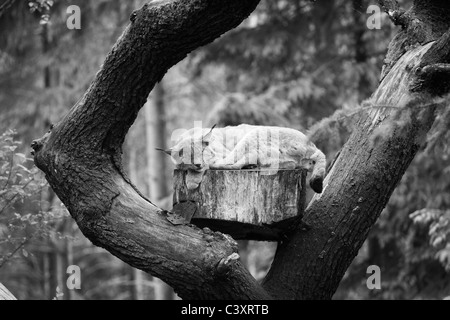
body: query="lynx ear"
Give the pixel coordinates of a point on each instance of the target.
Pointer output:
(168, 151)
(207, 137)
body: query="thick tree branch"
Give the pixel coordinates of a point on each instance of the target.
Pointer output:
(310, 265)
(5, 294)
(426, 21)
(357, 189)
(81, 155)
(433, 74)
(81, 159)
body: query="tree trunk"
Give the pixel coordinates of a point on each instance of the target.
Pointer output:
(137, 287)
(155, 128)
(81, 158)
(46, 275)
(361, 181)
(246, 204)
(69, 262)
(56, 255)
(5, 294)
(363, 84)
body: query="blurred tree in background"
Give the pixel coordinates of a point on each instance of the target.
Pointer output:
(294, 63)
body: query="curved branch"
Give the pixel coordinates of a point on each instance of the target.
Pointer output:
(311, 264)
(81, 155)
(81, 159)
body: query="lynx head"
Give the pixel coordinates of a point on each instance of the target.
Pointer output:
(318, 164)
(192, 152)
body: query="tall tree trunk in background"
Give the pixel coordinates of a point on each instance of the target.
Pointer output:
(155, 128)
(60, 267)
(45, 282)
(47, 256)
(57, 251)
(69, 259)
(138, 279)
(136, 275)
(81, 157)
(363, 86)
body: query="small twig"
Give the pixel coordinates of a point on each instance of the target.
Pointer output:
(338, 117)
(10, 171)
(10, 255)
(8, 202)
(380, 106)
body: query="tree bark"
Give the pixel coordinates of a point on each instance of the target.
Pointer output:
(246, 204)
(81, 159)
(136, 276)
(81, 155)
(360, 183)
(5, 294)
(363, 88)
(155, 129)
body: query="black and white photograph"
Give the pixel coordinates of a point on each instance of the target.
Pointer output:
(224, 154)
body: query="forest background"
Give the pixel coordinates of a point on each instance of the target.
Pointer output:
(295, 63)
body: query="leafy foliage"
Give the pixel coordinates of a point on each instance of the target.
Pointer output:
(438, 223)
(19, 185)
(303, 59)
(44, 69)
(43, 8)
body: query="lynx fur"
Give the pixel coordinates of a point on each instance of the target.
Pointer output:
(246, 146)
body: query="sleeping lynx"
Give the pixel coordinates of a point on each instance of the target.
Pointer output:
(246, 146)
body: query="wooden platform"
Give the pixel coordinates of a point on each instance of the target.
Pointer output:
(243, 203)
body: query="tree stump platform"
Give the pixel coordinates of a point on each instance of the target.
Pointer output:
(246, 204)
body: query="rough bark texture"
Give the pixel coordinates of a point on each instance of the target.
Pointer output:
(360, 182)
(356, 191)
(244, 203)
(426, 21)
(155, 130)
(81, 159)
(81, 155)
(5, 294)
